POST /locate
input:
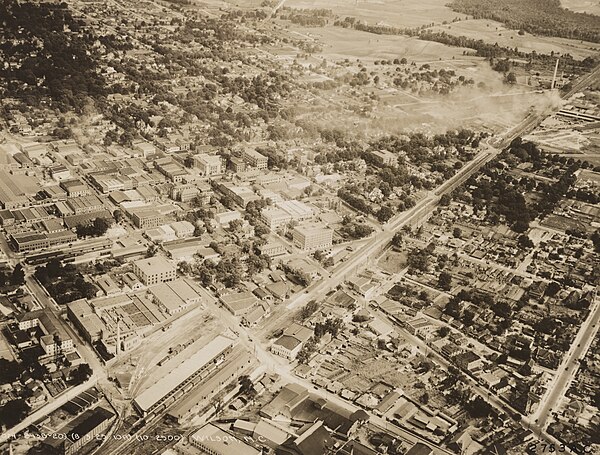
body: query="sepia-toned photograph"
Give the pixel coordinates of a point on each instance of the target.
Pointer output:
(299, 227)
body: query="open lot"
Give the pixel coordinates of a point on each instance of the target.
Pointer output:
(395, 13)
(392, 261)
(582, 6)
(495, 32)
(489, 103)
(5, 351)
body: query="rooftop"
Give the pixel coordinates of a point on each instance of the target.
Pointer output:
(166, 384)
(219, 441)
(154, 265)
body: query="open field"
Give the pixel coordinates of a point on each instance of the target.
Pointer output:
(395, 13)
(347, 43)
(582, 6)
(5, 351)
(393, 262)
(495, 32)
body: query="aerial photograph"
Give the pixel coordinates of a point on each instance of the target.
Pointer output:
(299, 227)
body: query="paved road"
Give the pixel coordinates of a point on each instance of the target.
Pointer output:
(48, 408)
(567, 369)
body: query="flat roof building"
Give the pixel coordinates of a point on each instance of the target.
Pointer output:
(255, 159)
(274, 217)
(208, 165)
(175, 296)
(146, 217)
(239, 303)
(311, 237)
(215, 441)
(298, 210)
(11, 194)
(154, 270)
(186, 373)
(78, 432)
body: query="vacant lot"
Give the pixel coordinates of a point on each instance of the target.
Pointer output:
(341, 43)
(494, 32)
(392, 261)
(582, 6)
(395, 13)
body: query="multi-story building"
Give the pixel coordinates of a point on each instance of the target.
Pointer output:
(27, 242)
(170, 169)
(85, 204)
(274, 217)
(154, 270)
(77, 433)
(311, 237)
(183, 192)
(241, 195)
(298, 210)
(146, 217)
(255, 159)
(272, 248)
(75, 188)
(55, 338)
(215, 441)
(237, 164)
(384, 157)
(289, 344)
(208, 165)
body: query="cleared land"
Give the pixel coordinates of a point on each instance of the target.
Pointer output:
(396, 13)
(582, 6)
(392, 109)
(494, 32)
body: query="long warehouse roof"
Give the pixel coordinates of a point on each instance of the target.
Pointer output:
(164, 386)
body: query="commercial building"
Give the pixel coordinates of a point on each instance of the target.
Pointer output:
(241, 195)
(272, 248)
(175, 296)
(183, 229)
(81, 430)
(213, 440)
(255, 159)
(183, 378)
(298, 210)
(12, 195)
(311, 237)
(89, 325)
(286, 346)
(384, 157)
(146, 217)
(28, 242)
(170, 169)
(208, 165)
(75, 188)
(183, 192)
(289, 344)
(60, 172)
(55, 338)
(275, 218)
(84, 204)
(229, 367)
(239, 303)
(154, 270)
(237, 164)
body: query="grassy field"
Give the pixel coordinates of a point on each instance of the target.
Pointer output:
(340, 43)
(393, 262)
(396, 13)
(494, 32)
(582, 6)
(495, 107)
